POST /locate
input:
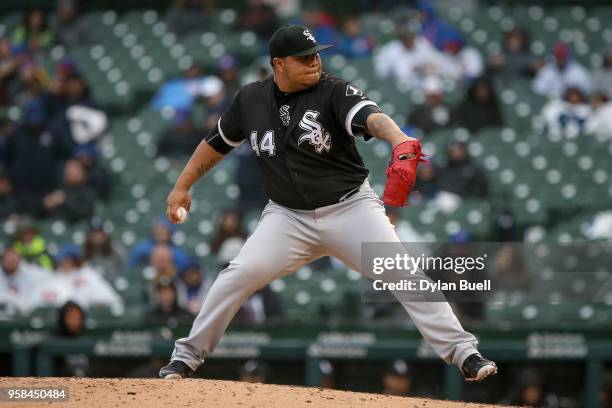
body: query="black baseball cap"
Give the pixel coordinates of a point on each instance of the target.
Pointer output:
(295, 41)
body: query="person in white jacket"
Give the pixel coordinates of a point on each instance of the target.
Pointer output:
(460, 62)
(561, 73)
(18, 278)
(407, 59)
(567, 117)
(600, 123)
(75, 282)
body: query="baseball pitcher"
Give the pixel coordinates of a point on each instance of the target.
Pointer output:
(302, 124)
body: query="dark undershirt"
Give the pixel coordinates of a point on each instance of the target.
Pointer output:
(281, 97)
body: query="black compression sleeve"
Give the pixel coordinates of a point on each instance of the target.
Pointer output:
(358, 125)
(214, 139)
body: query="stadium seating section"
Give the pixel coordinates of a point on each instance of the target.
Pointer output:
(553, 186)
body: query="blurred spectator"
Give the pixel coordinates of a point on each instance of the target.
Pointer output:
(89, 288)
(327, 375)
(161, 234)
(161, 269)
(516, 60)
(34, 156)
(74, 281)
(97, 176)
(353, 42)
(18, 278)
(30, 245)
(207, 96)
(261, 70)
(460, 62)
(191, 287)
(321, 23)
(567, 117)
(8, 203)
(33, 32)
(258, 17)
(74, 108)
(75, 199)
(180, 94)
(162, 262)
(71, 324)
(228, 226)
(180, 139)
(31, 83)
(407, 59)
(530, 391)
(563, 72)
(434, 113)
(460, 175)
(185, 16)
(166, 309)
(254, 371)
(397, 379)
(505, 225)
(479, 109)
(263, 306)
(215, 104)
(248, 178)
(434, 29)
(72, 30)
(602, 77)
(10, 60)
(426, 186)
(101, 253)
(600, 122)
(509, 269)
(230, 74)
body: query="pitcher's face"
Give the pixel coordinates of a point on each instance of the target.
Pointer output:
(303, 72)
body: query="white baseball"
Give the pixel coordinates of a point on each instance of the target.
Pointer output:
(181, 213)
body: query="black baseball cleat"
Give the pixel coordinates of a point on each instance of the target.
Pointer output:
(175, 370)
(476, 368)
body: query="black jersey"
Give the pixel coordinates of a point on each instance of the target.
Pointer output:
(306, 146)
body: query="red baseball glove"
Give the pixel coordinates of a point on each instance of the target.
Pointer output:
(401, 172)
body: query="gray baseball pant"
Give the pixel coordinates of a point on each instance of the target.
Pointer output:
(286, 240)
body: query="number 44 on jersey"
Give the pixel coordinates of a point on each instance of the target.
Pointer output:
(266, 144)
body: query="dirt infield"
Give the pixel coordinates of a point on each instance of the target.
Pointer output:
(153, 393)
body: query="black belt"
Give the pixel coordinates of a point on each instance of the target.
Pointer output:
(349, 194)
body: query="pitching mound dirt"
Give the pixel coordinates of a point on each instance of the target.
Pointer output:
(153, 393)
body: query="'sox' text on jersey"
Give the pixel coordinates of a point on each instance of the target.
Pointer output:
(315, 134)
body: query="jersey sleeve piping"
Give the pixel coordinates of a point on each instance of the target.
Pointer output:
(351, 114)
(225, 139)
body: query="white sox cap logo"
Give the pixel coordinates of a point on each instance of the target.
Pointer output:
(316, 136)
(310, 36)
